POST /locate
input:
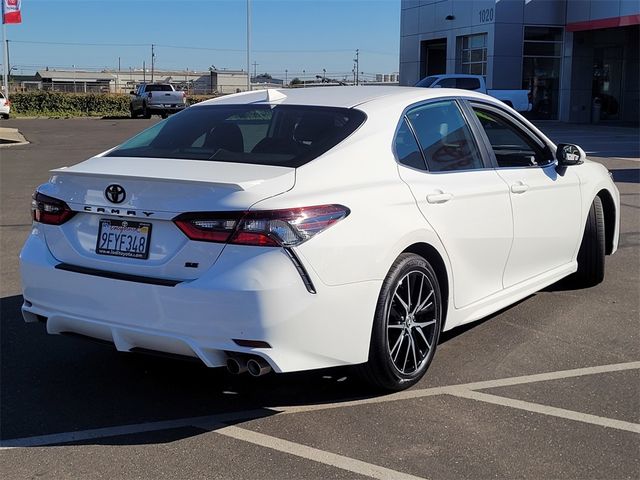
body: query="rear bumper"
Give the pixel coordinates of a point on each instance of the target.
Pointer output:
(165, 108)
(251, 293)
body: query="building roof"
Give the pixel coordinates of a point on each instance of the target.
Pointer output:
(343, 96)
(70, 76)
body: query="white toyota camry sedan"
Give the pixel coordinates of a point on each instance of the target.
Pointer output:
(297, 229)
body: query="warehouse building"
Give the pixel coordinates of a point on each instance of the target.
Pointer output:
(578, 58)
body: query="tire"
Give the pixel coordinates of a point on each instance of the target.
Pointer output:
(164, 115)
(592, 249)
(146, 113)
(392, 365)
(133, 112)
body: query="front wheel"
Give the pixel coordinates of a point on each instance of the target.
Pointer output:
(146, 113)
(592, 249)
(406, 325)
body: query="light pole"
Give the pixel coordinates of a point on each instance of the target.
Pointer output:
(248, 44)
(304, 84)
(324, 75)
(285, 76)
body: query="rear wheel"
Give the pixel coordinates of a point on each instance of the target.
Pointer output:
(146, 113)
(406, 325)
(592, 249)
(132, 112)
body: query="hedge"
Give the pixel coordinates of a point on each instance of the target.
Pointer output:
(58, 104)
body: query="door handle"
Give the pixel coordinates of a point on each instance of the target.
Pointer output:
(519, 187)
(440, 197)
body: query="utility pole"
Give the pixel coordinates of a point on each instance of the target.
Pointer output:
(248, 45)
(5, 64)
(357, 60)
(153, 60)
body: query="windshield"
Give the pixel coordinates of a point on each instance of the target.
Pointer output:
(158, 88)
(426, 82)
(283, 135)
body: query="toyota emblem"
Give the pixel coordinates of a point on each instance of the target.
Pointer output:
(115, 193)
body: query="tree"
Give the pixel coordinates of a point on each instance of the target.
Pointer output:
(296, 81)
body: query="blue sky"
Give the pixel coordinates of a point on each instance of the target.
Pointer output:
(294, 35)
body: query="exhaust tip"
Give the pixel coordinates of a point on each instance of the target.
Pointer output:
(236, 365)
(258, 367)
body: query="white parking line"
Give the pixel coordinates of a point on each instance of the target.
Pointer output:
(451, 389)
(212, 421)
(310, 453)
(546, 410)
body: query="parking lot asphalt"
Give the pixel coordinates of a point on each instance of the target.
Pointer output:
(548, 388)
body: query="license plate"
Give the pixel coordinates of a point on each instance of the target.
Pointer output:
(124, 238)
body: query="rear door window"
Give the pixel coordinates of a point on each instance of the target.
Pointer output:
(282, 135)
(468, 83)
(444, 137)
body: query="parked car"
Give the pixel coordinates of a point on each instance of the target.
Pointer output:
(156, 99)
(5, 106)
(307, 228)
(517, 99)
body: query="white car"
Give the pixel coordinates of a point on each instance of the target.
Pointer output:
(5, 106)
(297, 229)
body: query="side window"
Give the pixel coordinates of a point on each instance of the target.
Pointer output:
(511, 146)
(407, 149)
(447, 83)
(468, 83)
(445, 138)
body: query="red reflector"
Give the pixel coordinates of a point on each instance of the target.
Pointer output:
(257, 239)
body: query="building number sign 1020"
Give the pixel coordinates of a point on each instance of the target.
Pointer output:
(486, 15)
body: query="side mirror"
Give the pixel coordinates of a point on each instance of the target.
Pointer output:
(568, 154)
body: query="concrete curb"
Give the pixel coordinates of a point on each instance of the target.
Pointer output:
(11, 137)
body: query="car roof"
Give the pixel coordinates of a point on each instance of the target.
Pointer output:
(341, 96)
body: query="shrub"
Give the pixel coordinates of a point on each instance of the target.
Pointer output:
(58, 104)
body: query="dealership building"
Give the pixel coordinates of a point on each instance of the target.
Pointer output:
(579, 59)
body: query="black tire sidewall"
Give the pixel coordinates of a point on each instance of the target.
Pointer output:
(380, 363)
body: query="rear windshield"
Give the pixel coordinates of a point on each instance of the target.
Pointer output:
(158, 88)
(283, 135)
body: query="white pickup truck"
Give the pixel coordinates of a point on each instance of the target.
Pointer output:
(156, 98)
(516, 99)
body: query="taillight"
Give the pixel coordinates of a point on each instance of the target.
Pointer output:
(265, 228)
(49, 210)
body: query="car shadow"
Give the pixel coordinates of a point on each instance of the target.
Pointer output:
(626, 175)
(54, 384)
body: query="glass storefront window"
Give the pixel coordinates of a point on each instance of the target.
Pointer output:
(472, 54)
(541, 61)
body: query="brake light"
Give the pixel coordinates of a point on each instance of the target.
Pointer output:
(49, 210)
(264, 228)
(8, 103)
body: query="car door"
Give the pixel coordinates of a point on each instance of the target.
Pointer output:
(466, 203)
(136, 101)
(546, 203)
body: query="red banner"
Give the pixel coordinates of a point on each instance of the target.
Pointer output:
(11, 11)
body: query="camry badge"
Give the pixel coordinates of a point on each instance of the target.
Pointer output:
(115, 193)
